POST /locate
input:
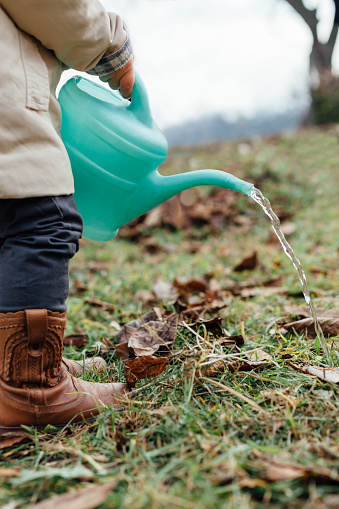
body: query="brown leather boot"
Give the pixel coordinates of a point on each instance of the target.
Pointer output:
(34, 388)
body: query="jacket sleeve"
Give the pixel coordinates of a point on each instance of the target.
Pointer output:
(80, 32)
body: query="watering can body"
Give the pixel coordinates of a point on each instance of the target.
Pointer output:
(115, 149)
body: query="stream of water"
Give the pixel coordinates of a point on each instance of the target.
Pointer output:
(266, 206)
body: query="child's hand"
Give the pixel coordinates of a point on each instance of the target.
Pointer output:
(122, 79)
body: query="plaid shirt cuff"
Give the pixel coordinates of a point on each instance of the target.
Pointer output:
(113, 62)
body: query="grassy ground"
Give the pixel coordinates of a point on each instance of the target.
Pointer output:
(263, 439)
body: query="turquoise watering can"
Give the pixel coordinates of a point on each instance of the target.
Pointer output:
(115, 149)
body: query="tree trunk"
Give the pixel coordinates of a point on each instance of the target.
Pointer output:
(321, 54)
(324, 86)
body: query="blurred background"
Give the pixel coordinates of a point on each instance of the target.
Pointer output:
(233, 69)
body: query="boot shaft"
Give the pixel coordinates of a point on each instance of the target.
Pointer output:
(31, 347)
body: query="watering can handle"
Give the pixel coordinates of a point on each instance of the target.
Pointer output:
(139, 104)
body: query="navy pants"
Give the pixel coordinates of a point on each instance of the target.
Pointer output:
(38, 236)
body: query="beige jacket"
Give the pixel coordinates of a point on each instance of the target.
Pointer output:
(38, 40)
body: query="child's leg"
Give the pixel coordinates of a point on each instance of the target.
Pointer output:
(38, 237)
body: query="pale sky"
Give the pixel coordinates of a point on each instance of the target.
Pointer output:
(234, 57)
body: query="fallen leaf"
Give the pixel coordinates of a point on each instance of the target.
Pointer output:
(303, 321)
(150, 245)
(280, 397)
(97, 266)
(83, 498)
(213, 325)
(215, 369)
(331, 501)
(8, 439)
(327, 374)
(128, 329)
(253, 360)
(164, 290)
(115, 325)
(287, 227)
(103, 346)
(262, 291)
(123, 352)
(125, 333)
(146, 366)
(321, 393)
(305, 312)
(259, 356)
(76, 340)
(247, 263)
(154, 336)
(145, 296)
(10, 472)
(329, 325)
(80, 286)
(230, 341)
(284, 473)
(99, 304)
(153, 218)
(273, 469)
(194, 285)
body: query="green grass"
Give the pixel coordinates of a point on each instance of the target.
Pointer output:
(187, 440)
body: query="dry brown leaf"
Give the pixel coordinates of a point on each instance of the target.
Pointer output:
(284, 472)
(198, 309)
(247, 263)
(331, 501)
(153, 332)
(123, 352)
(254, 360)
(329, 325)
(194, 285)
(145, 296)
(80, 286)
(83, 498)
(153, 218)
(10, 472)
(174, 213)
(230, 341)
(124, 334)
(151, 245)
(150, 337)
(11, 438)
(259, 356)
(274, 469)
(99, 304)
(327, 374)
(147, 366)
(320, 393)
(76, 340)
(164, 290)
(213, 325)
(300, 312)
(215, 369)
(129, 328)
(262, 291)
(280, 397)
(162, 411)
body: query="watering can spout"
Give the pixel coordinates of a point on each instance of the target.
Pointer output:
(171, 185)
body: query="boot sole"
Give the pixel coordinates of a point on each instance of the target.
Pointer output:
(42, 428)
(59, 426)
